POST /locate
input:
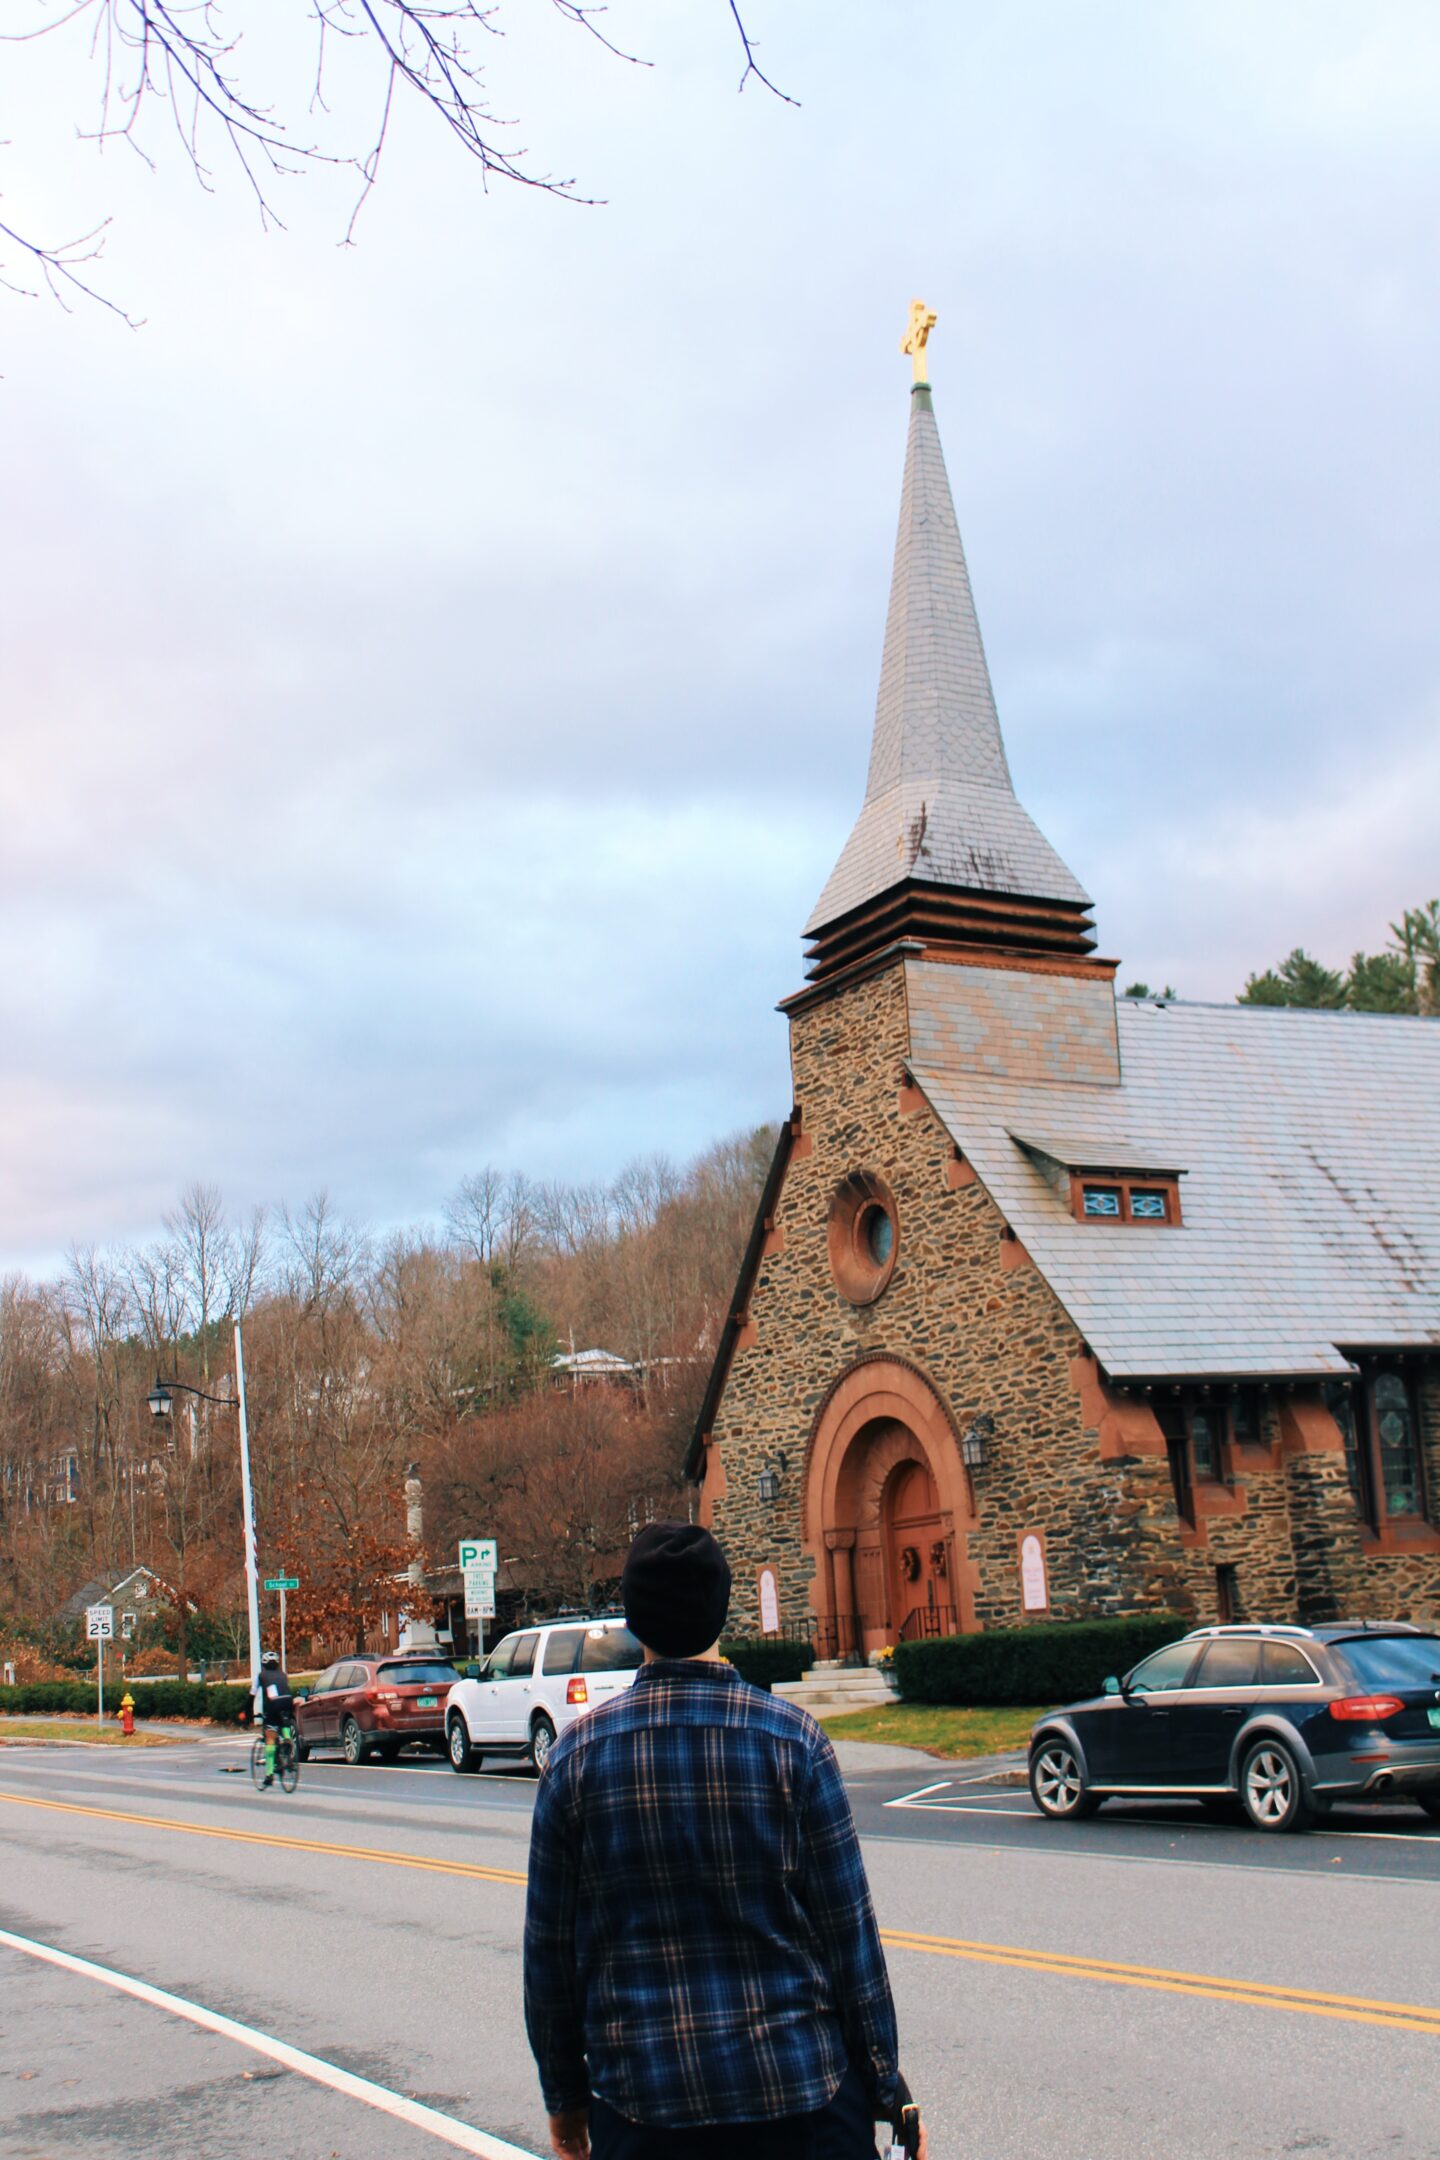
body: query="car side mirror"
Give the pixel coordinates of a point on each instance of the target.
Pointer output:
(1112, 1686)
(302, 1694)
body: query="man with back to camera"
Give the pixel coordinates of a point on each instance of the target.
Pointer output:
(701, 1953)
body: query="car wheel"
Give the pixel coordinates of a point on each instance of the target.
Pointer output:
(1057, 1782)
(352, 1740)
(542, 1739)
(457, 1746)
(1273, 1790)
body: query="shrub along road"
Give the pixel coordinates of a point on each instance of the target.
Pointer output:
(1123, 1987)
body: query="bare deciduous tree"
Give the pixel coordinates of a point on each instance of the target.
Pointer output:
(180, 65)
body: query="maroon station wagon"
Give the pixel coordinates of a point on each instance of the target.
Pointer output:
(374, 1706)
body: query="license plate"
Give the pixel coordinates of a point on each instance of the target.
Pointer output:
(1434, 1717)
(426, 1702)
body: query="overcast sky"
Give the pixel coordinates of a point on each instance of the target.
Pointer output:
(437, 675)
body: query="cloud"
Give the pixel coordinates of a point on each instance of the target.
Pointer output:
(437, 676)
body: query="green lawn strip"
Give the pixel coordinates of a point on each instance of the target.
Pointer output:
(78, 1730)
(937, 1728)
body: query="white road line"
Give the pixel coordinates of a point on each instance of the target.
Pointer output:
(920, 1805)
(962, 1807)
(906, 1798)
(448, 2128)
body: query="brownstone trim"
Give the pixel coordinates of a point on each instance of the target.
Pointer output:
(738, 1316)
(857, 1200)
(877, 1357)
(1013, 963)
(879, 1387)
(801, 1001)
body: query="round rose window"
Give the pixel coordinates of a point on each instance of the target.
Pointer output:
(864, 1234)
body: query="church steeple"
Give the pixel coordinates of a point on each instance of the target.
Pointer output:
(942, 850)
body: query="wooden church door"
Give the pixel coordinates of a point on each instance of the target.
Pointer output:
(921, 1597)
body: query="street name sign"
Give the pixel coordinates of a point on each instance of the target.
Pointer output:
(282, 1582)
(100, 1623)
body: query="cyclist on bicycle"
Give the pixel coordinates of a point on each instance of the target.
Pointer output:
(277, 1707)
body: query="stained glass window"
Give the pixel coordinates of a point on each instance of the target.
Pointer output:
(1148, 1206)
(1205, 1439)
(1245, 1426)
(1102, 1200)
(1399, 1454)
(1341, 1405)
(879, 1234)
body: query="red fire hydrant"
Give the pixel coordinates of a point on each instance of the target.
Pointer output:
(127, 1713)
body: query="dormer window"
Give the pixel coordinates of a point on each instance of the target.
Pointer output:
(1152, 1200)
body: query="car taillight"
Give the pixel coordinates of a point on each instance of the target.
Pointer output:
(577, 1691)
(388, 1695)
(1366, 1709)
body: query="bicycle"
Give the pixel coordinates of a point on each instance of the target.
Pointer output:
(275, 1754)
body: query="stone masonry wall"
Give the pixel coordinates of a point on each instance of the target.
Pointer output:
(966, 1306)
(1069, 1458)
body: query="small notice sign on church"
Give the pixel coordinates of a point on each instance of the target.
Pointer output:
(769, 1602)
(1034, 1589)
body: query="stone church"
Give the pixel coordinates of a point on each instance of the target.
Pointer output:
(1060, 1304)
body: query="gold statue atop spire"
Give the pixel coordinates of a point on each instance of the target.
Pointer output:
(917, 333)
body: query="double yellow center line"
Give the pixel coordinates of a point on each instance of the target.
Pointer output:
(1251, 1994)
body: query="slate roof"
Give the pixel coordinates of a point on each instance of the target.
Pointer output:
(940, 805)
(1310, 1147)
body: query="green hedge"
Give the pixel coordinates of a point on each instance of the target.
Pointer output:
(156, 1699)
(1048, 1663)
(762, 1660)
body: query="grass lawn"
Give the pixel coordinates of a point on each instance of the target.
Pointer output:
(936, 1727)
(78, 1728)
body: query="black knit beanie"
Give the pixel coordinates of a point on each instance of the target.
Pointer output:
(676, 1589)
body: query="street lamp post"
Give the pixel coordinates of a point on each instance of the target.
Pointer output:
(161, 1402)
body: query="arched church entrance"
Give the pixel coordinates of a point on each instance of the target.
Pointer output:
(916, 1552)
(887, 1511)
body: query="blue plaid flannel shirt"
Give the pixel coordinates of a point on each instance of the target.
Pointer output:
(700, 1945)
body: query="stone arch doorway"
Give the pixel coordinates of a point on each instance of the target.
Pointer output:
(887, 1510)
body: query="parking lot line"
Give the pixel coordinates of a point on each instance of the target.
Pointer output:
(448, 2128)
(923, 1804)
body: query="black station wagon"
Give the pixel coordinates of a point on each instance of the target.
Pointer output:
(1282, 1721)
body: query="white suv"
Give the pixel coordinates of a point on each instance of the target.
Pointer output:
(535, 1683)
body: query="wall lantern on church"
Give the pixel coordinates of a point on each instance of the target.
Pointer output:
(767, 1485)
(976, 1439)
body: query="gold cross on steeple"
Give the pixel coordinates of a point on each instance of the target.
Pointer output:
(917, 332)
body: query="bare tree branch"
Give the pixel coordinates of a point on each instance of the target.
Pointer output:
(750, 64)
(180, 54)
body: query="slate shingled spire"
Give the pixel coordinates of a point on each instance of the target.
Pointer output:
(942, 849)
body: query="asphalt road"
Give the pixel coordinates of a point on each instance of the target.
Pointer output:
(1143, 1984)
